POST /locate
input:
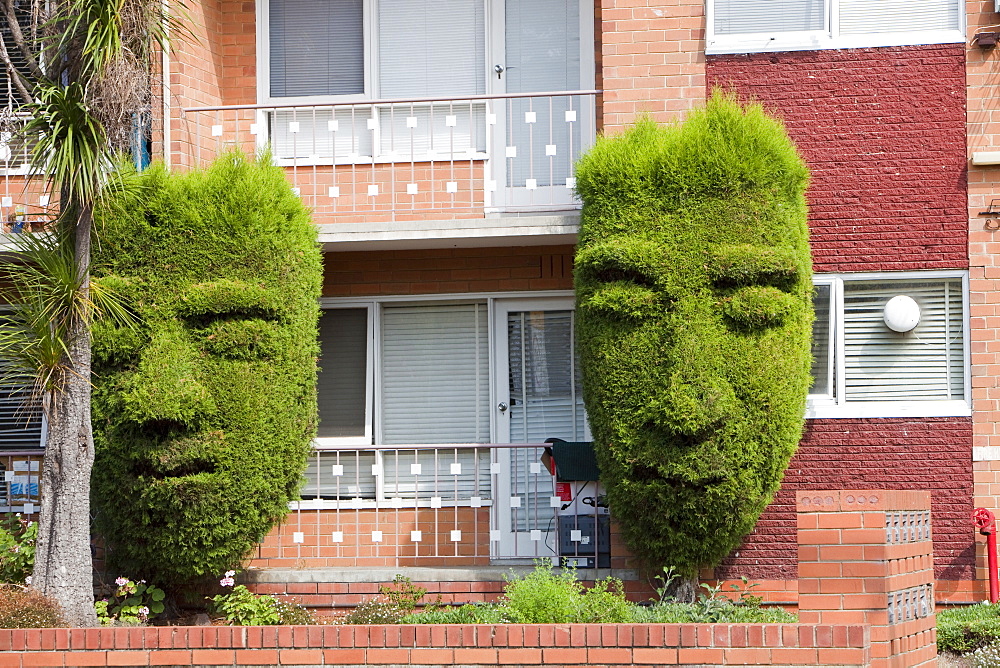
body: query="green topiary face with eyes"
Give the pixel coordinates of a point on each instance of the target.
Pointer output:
(204, 412)
(693, 280)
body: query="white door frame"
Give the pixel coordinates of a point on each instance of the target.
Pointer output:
(542, 540)
(513, 199)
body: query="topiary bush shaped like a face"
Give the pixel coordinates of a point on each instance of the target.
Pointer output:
(204, 412)
(693, 302)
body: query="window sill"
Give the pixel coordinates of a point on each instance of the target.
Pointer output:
(889, 409)
(768, 43)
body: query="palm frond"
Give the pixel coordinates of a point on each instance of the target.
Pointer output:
(71, 148)
(41, 283)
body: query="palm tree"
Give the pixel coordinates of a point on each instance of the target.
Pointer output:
(98, 52)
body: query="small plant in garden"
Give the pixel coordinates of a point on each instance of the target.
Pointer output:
(242, 607)
(548, 596)
(22, 607)
(405, 595)
(132, 604)
(545, 596)
(394, 602)
(744, 597)
(17, 548)
(986, 657)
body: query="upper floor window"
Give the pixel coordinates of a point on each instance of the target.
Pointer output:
(389, 49)
(863, 367)
(741, 26)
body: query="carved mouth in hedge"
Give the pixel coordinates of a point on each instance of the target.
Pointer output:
(185, 470)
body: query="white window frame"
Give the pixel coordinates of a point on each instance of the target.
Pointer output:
(264, 63)
(362, 100)
(764, 42)
(371, 441)
(327, 442)
(821, 406)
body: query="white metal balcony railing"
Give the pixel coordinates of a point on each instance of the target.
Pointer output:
(421, 155)
(440, 504)
(411, 505)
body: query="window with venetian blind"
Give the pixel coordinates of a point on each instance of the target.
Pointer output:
(773, 25)
(352, 50)
(862, 367)
(433, 389)
(21, 423)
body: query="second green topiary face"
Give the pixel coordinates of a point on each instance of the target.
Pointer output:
(693, 280)
(203, 413)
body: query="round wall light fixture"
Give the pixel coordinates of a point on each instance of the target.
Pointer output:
(901, 314)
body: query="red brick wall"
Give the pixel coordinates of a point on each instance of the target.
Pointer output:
(931, 454)
(447, 270)
(883, 131)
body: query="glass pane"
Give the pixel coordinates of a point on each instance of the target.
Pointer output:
(435, 374)
(316, 47)
(341, 386)
(546, 401)
(431, 48)
(20, 413)
(339, 475)
(453, 474)
(542, 44)
(822, 342)
(734, 17)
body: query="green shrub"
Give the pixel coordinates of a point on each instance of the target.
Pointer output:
(546, 596)
(693, 283)
(968, 628)
(465, 614)
(244, 608)
(203, 412)
(17, 548)
(25, 608)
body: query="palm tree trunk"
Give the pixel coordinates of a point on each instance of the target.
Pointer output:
(63, 561)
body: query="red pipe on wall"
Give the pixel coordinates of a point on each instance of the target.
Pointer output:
(986, 522)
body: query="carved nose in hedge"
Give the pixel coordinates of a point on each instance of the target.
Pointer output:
(693, 405)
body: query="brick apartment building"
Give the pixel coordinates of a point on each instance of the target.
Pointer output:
(435, 141)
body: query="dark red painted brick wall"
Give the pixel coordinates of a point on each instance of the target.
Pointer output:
(883, 132)
(932, 454)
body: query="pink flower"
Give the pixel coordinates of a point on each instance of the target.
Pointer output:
(227, 581)
(121, 582)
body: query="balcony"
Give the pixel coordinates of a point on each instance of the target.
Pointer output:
(437, 505)
(413, 160)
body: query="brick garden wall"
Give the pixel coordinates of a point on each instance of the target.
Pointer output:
(866, 592)
(983, 129)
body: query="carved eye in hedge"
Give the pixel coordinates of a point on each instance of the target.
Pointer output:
(239, 337)
(759, 307)
(623, 276)
(750, 264)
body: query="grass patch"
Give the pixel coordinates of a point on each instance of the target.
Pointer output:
(966, 629)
